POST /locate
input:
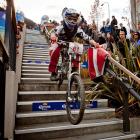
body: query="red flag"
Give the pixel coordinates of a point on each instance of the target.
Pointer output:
(96, 61)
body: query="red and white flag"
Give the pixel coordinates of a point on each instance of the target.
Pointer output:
(96, 61)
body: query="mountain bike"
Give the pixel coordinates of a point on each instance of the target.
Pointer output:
(75, 95)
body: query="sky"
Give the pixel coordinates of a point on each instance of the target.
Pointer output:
(35, 9)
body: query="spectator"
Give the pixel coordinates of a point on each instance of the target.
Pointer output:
(101, 39)
(123, 28)
(102, 30)
(136, 42)
(18, 37)
(123, 43)
(108, 28)
(84, 25)
(109, 41)
(115, 33)
(131, 36)
(93, 32)
(138, 27)
(113, 22)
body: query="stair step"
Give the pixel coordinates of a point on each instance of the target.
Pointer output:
(42, 41)
(35, 64)
(114, 135)
(36, 52)
(47, 86)
(34, 105)
(39, 58)
(35, 46)
(34, 43)
(37, 61)
(43, 95)
(35, 80)
(35, 67)
(35, 56)
(27, 42)
(46, 51)
(35, 71)
(59, 130)
(35, 75)
(29, 118)
(29, 31)
(28, 46)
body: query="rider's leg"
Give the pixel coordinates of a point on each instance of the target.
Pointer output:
(53, 63)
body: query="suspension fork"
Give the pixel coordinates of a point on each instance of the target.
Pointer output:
(69, 75)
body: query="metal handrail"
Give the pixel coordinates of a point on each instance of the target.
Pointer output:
(127, 88)
(10, 34)
(126, 71)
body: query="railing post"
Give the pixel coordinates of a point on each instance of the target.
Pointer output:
(126, 121)
(10, 34)
(2, 98)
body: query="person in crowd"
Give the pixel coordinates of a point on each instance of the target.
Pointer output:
(136, 39)
(108, 28)
(123, 43)
(83, 25)
(110, 40)
(102, 30)
(138, 27)
(115, 33)
(123, 28)
(101, 39)
(131, 36)
(18, 37)
(66, 32)
(93, 32)
(113, 22)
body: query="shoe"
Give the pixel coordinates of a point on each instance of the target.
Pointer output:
(54, 77)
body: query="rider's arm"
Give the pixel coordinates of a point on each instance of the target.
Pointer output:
(87, 38)
(56, 33)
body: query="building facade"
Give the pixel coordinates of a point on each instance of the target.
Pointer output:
(135, 14)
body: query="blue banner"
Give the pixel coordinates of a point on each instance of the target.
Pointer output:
(2, 25)
(36, 106)
(19, 17)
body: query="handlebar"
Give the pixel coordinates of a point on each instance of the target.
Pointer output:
(61, 42)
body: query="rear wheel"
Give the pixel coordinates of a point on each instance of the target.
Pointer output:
(75, 100)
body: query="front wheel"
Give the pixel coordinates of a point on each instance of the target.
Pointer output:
(75, 100)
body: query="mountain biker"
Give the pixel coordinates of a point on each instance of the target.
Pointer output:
(66, 32)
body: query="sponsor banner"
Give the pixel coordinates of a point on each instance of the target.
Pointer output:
(46, 106)
(38, 61)
(2, 25)
(92, 104)
(20, 17)
(84, 64)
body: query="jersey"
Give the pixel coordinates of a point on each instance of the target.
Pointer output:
(63, 33)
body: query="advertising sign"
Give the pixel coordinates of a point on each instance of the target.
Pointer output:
(39, 106)
(2, 25)
(20, 16)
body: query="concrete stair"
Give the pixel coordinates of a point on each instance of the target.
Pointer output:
(99, 122)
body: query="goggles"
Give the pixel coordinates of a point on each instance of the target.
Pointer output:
(72, 19)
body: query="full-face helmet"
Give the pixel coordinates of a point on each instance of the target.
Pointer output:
(71, 17)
